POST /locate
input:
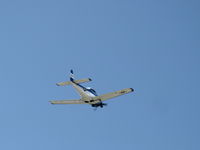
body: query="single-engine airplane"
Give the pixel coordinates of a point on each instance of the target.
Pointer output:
(88, 95)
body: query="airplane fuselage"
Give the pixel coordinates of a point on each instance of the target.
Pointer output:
(86, 94)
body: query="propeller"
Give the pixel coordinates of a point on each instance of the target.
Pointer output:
(104, 104)
(100, 105)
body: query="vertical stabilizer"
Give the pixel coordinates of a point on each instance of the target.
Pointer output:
(71, 75)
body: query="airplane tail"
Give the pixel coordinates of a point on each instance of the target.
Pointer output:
(73, 80)
(71, 75)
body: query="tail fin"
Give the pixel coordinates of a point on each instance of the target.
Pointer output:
(71, 75)
(73, 80)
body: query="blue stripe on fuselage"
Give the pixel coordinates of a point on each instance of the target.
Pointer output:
(85, 89)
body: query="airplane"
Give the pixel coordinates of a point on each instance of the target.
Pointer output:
(87, 94)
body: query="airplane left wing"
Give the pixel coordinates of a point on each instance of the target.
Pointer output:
(113, 94)
(67, 102)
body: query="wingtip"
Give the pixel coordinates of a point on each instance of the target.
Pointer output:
(90, 79)
(131, 89)
(51, 102)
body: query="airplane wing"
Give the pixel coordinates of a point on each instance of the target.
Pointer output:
(67, 102)
(113, 94)
(76, 81)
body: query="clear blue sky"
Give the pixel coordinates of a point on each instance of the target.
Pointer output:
(149, 45)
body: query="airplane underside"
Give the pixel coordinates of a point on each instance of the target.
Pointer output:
(87, 94)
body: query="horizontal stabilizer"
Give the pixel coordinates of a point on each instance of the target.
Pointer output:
(76, 81)
(67, 102)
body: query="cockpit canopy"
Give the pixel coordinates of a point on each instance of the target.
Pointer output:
(91, 90)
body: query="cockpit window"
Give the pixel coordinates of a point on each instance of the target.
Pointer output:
(93, 91)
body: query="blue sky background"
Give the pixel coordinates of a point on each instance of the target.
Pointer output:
(149, 45)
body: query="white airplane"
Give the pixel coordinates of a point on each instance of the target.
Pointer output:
(88, 95)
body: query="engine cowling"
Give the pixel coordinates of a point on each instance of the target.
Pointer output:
(100, 104)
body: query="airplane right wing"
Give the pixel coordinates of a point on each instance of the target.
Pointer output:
(67, 102)
(113, 94)
(76, 81)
